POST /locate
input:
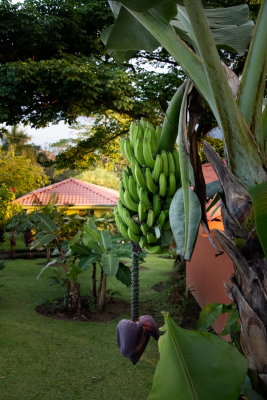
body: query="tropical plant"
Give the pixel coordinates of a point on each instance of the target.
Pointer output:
(21, 173)
(7, 208)
(93, 248)
(193, 36)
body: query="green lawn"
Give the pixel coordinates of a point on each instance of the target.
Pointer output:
(46, 359)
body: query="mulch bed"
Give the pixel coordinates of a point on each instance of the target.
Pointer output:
(113, 309)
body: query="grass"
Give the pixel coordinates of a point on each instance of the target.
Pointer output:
(46, 359)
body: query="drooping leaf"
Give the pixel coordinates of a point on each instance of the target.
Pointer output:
(230, 27)
(128, 34)
(43, 240)
(196, 366)
(86, 262)
(80, 249)
(52, 262)
(121, 251)
(185, 224)
(110, 264)
(124, 274)
(46, 223)
(258, 196)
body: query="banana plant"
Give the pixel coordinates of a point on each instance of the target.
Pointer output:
(93, 247)
(193, 36)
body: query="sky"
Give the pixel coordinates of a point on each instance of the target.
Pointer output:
(52, 133)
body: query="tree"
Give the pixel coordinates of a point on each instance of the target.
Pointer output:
(237, 107)
(21, 173)
(7, 208)
(16, 140)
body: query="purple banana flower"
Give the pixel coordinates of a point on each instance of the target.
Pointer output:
(133, 336)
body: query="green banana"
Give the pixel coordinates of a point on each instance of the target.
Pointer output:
(138, 151)
(158, 168)
(144, 228)
(150, 218)
(171, 163)
(147, 153)
(175, 156)
(133, 237)
(129, 202)
(150, 137)
(151, 238)
(138, 174)
(133, 132)
(142, 212)
(132, 188)
(125, 179)
(161, 219)
(121, 195)
(123, 212)
(165, 162)
(156, 249)
(162, 185)
(143, 196)
(143, 242)
(158, 133)
(120, 225)
(156, 205)
(133, 226)
(128, 149)
(172, 185)
(152, 187)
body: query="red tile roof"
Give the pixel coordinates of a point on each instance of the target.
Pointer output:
(72, 191)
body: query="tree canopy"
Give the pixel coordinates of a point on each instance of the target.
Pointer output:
(20, 173)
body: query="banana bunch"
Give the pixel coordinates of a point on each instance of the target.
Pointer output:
(147, 187)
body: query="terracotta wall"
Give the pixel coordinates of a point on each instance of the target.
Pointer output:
(206, 274)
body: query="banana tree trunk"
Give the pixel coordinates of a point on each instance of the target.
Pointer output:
(249, 284)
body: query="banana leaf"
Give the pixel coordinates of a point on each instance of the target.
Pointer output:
(110, 264)
(196, 366)
(124, 274)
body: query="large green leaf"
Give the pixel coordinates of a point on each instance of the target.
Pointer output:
(239, 141)
(196, 366)
(258, 196)
(253, 79)
(185, 221)
(185, 209)
(230, 27)
(81, 250)
(46, 223)
(124, 274)
(110, 264)
(86, 262)
(43, 240)
(105, 240)
(90, 229)
(128, 34)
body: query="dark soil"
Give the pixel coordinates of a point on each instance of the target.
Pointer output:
(114, 308)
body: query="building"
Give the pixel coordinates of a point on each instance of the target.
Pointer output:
(77, 195)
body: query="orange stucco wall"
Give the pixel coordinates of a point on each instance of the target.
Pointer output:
(206, 274)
